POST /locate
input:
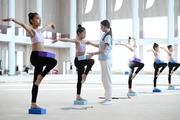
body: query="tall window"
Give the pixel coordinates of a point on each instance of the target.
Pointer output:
(155, 27)
(92, 30)
(122, 29)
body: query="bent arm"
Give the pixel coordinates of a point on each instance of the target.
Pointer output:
(47, 26)
(26, 27)
(103, 50)
(166, 50)
(131, 49)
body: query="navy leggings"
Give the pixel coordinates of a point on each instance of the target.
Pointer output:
(38, 62)
(156, 69)
(80, 65)
(171, 66)
(132, 65)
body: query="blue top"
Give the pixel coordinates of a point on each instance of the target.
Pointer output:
(107, 54)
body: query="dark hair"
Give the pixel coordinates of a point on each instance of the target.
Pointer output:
(155, 45)
(169, 46)
(80, 29)
(107, 24)
(31, 16)
(129, 39)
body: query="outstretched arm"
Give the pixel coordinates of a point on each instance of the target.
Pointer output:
(26, 27)
(130, 48)
(65, 40)
(166, 50)
(98, 52)
(93, 44)
(47, 26)
(152, 51)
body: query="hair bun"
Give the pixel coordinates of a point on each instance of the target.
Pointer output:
(79, 26)
(30, 14)
(129, 38)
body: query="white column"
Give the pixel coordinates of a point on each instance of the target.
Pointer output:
(135, 19)
(11, 45)
(102, 8)
(135, 22)
(39, 7)
(170, 17)
(73, 27)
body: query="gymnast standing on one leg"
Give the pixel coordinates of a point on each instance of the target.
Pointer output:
(80, 64)
(171, 62)
(158, 63)
(37, 46)
(132, 62)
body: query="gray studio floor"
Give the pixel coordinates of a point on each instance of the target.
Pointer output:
(58, 91)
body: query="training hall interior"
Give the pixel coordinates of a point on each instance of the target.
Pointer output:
(147, 21)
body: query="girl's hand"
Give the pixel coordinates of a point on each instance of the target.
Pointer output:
(54, 41)
(90, 55)
(148, 51)
(88, 43)
(117, 44)
(53, 26)
(7, 19)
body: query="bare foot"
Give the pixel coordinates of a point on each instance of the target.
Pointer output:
(83, 78)
(34, 106)
(158, 73)
(78, 97)
(39, 79)
(172, 71)
(130, 91)
(133, 76)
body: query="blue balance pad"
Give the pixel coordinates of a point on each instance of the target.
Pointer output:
(37, 111)
(157, 90)
(80, 102)
(131, 94)
(82, 57)
(171, 88)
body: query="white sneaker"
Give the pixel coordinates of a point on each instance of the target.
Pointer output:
(103, 101)
(107, 102)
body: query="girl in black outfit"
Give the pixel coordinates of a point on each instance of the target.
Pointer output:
(158, 63)
(132, 63)
(172, 64)
(80, 64)
(37, 46)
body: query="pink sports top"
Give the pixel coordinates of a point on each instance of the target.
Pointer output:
(157, 56)
(81, 47)
(171, 56)
(38, 37)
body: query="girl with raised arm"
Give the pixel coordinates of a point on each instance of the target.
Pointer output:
(37, 46)
(105, 58)
(133, 62)
(158, 63)
(80, 64)
(172, 64)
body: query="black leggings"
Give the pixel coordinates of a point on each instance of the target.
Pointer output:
(156, 69)
(38, 63)
(132, 65)
(171, 65)
(80, 65)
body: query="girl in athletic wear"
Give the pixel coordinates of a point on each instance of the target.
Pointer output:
(158, 63)
(105, 58)
(80, 64)
(37, 46)
(172, 64)
(133, 62)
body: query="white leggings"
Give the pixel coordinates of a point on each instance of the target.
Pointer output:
(106, 78)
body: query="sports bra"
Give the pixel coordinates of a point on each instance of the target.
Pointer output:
(171, 56)
(157, 56)
(81, 47)
(38, 37)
